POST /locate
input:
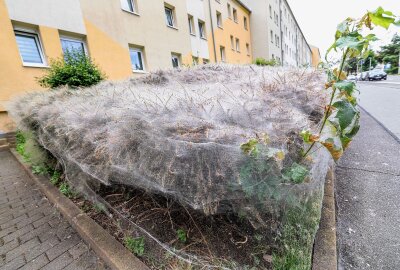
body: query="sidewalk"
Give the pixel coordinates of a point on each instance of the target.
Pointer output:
(368, 200)
(33, 235)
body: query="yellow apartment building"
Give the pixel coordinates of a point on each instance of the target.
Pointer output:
(124, 37)
(316, 56)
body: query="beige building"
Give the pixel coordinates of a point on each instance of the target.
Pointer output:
(124, 37)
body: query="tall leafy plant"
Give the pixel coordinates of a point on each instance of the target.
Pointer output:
(341, 119)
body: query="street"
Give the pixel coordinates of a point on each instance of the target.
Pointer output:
(382, 100)
(368, 183)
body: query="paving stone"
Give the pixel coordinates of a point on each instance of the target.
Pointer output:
(60, 262)
(33, 234)
(22, 249)
(36, 263)
(14, 264)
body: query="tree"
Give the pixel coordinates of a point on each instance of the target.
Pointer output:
(351, 64)
(74, 69)
(390, 54)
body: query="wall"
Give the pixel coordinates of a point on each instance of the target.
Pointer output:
(198, 9)
(230, 27)
(15, 78)
(148, 29)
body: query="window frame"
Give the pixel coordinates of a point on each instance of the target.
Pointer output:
(192, 28)
(248, 49)
(219, 19)
(36, 36)
(134, 7)
(202, 29)
(229, 10)
(178, 58)
(237, 45)
(141, 51)
(222, 53)
(232, 43)
(81, 40)
(245, 22)
(235, 15)
(172, 10)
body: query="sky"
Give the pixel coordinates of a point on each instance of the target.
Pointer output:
(318, 18)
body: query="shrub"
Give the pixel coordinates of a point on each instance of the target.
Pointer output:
(263, 62)
(75, 69)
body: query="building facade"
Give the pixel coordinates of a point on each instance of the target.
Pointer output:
(124, 37)
(277, 35)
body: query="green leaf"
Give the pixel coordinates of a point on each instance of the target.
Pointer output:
(348, 87)
(345, 114)
(296, 173)
(250, 147)
(382, 18)
(350, 42)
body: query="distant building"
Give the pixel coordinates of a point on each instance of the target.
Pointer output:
(276, 33)
(316, 56)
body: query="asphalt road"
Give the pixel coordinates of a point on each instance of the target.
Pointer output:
(368, 184)
(382, 100)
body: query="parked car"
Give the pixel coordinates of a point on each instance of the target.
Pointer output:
(364, 76)
(351, 78)
(376, 75)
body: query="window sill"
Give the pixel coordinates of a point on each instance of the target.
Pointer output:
(236, 21)
(130, 12)
(220, 27)
(172, 27)
(35, 65)
(203, 38)
(139, 71)
(192, 34)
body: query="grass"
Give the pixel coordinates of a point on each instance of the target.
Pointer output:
(135, 245)
(66, 190)
(297, 236)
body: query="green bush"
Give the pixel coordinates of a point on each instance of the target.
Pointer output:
(74, 69)
(263, 62)
(135, 245)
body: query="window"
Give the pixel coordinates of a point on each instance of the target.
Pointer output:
(205, 61)
(272, 36)
(222, 52)
(175, 60)
(137, 59)
(248, 48)
(169, 15)
(191, 25)
(72, 45)
(128, 5)
(273, 56)
(237, 45)
(195, 60)
(245, 22)
(232, 43)
(270, 11)
(202, 29)
(29, 48)
(229, 11)
(219, 19)
(235, 16)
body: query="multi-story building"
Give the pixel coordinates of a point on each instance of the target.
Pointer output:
(124, 37)
(276, 33)
(316, 56)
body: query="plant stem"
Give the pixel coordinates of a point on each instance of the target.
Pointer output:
(330, 101)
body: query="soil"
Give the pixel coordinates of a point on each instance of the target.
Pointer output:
(224, 241)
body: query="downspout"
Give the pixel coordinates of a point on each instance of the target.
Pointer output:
(280, 30)
(212, 31)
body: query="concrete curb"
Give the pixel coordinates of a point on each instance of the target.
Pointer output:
(106, 247)
(325, 248)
